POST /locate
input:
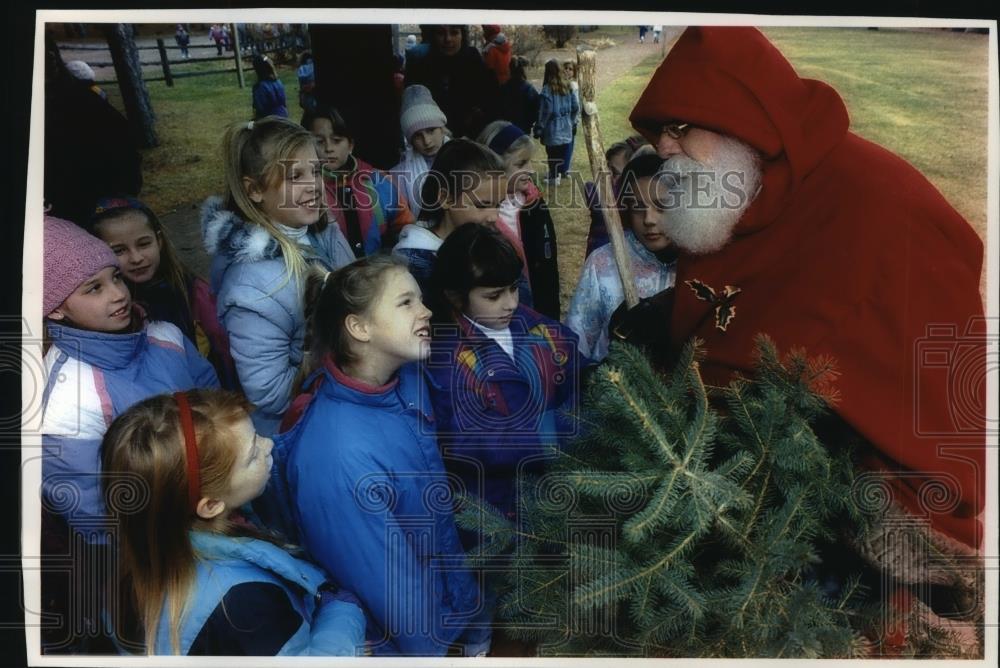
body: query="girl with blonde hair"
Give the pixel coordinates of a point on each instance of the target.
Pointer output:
(267, 233)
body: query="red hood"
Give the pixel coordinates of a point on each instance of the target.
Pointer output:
(849, 252)
(733, 81)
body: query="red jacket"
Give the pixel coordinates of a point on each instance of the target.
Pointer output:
(497, 58)
(848, 251)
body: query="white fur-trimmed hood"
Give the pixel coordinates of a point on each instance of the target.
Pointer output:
(225, 233)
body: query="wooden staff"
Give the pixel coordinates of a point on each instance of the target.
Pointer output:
(586, 69)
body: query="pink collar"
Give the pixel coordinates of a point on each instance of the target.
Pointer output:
(354, 383)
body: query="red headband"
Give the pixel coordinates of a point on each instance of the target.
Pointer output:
(191, 446)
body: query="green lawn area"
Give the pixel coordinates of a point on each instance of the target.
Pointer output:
(190, 119)
(922, 94)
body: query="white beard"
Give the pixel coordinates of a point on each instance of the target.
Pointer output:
(705, 201)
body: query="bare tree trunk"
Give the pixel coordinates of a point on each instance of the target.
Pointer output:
(128, 72)
(363, 93)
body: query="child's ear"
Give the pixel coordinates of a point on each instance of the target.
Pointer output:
(208, 509)
(252, 190)
(357, 328)
(57, 315)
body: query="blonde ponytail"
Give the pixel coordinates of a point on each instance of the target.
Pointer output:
(256, 151)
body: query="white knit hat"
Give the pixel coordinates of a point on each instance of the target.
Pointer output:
(419, 111)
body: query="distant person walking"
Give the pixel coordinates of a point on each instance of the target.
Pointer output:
(557, 114)
(215, 34)
(268, 92)
(183, 39)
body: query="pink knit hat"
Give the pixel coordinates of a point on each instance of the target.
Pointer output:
(71, 257)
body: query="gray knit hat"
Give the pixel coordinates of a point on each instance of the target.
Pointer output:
(419, 111)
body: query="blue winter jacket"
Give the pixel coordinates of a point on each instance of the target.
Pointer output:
(269, 99)
(91, 378)
(263, 318)
(370, 498)
(498, 417)
(557, 114)
(333, 628)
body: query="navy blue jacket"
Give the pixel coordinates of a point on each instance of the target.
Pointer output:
(498, 417)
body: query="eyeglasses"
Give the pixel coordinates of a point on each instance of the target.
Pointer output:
(675, 130)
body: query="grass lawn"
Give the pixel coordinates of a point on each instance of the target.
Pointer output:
(190, 119)
(922, 94)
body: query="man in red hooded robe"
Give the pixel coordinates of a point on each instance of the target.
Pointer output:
(844, 250)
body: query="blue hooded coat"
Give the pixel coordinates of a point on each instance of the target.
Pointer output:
(361, 467)
(259, 307)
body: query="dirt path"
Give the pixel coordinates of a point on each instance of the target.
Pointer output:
(183, 222)
(612, 61)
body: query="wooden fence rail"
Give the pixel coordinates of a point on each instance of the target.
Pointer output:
(239, 53)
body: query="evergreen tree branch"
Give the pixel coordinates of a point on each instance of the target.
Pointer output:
(649, 427)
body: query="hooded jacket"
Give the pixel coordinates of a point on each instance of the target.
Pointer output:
(599, 292)
(269, 99)
(321, 626)
(91, 378)
(847, 251)
(261, 311)
(361, 479)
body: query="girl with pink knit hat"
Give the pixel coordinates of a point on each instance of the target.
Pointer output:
(103, 356)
